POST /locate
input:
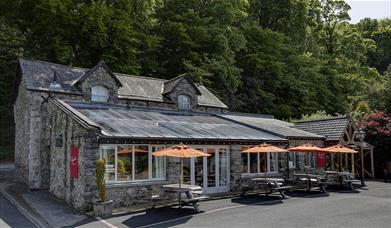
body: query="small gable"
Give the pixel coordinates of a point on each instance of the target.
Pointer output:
(99, 84)
(182, 91)
(98, 69)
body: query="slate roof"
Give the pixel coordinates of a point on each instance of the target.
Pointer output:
(331, 128)
(39, 74)
(146, 123)
(271, 125)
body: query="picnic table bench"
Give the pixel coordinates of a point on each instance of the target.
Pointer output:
(187, 194)
(271, 184)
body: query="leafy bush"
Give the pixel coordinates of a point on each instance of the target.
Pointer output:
(100, 179)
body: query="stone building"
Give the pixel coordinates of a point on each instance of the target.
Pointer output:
(67, 117)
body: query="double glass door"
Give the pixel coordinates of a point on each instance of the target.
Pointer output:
(211, 173)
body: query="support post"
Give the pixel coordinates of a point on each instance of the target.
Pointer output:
(346, 162)
(372, 165)
(362, 162)
(353, 171)
(332, 161)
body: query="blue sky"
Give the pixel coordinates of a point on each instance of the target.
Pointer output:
(366, 8)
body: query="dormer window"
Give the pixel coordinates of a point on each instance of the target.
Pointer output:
(183, 102)
(99, 94)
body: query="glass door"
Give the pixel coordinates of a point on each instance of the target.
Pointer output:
(212, 172)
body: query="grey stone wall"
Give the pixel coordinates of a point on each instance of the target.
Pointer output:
(77, 192)
(22, 136)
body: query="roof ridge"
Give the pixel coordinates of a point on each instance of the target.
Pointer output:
(175, 78)
(266, 116)
(50, 63)
(322, 119)
(139, 76)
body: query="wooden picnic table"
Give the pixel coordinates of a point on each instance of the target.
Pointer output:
(188, 191)
(272, 184)
(310, 180)
(340, 178)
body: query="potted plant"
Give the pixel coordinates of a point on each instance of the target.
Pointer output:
(103, 207)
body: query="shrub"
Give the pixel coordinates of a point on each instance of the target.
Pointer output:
(100, 179)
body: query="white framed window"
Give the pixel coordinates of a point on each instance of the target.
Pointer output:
(99, 94)
(132, 163)
(184, 102)
(253, 163)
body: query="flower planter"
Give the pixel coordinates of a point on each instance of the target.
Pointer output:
(103, 208)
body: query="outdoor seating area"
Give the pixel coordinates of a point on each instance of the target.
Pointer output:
(191, 195)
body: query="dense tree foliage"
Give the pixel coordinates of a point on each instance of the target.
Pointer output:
(287, 58)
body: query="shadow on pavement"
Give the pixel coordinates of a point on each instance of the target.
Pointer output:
(307, 194)
(258, 200)
(156, 215)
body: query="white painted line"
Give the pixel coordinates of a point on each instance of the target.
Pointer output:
(106, 222)
(209, 212)
(37, 222)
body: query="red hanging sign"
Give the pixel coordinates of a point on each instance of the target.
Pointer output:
(321, 160)
(74, 162)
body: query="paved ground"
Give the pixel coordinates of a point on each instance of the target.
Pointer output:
(366, 207)
(10, 216)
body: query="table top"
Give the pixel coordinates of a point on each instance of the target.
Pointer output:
(305, 175)
(337, 173)
(183, 188)
(267, 179)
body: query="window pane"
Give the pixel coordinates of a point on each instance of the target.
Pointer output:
(223, 167)
(141, 155)
(158, 166)
(198, 169)
(311, 160)
(186, 169)
(108, 154)
(253, 163)
(99, 94)
(244, 163)
(124, 163)
(183, 102)
(273, 162)
(292, 160)
(262, 162)
(211, 167)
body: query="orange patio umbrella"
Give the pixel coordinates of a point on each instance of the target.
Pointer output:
(339, 149)
(306, 148)
(180, 151)
(265, 148)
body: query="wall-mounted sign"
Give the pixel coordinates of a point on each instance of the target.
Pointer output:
(74, 162)
(321, 160)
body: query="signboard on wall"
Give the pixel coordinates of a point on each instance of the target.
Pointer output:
(321, 160)
(74, 162)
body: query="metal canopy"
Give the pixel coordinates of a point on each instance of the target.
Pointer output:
(163, 124)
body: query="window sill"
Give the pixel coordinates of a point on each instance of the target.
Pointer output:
(135, 183)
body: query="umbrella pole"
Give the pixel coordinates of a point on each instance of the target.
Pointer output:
(180, 180)
(266, 164)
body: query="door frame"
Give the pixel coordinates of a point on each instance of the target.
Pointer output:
(217, 188)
